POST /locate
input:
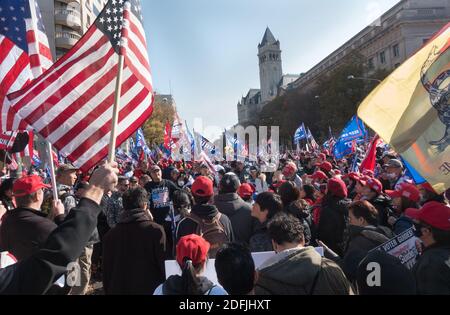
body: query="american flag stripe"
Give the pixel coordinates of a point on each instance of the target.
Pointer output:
(24, 54)
(67, 90)
(29, 94)
(71, 104)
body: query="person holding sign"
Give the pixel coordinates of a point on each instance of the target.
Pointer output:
(432, 269)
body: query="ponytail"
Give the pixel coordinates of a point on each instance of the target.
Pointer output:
(191, 283)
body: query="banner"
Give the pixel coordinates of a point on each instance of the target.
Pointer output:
(410, 110)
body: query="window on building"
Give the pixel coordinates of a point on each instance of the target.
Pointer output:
(396, 50)
(383, 57)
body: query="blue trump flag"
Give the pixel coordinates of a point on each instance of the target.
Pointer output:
(300, 133)
(355, 130)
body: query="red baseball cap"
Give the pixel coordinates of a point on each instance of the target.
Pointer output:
(375, 185)
(432, 213)
(325, 166)
(28, 185)
(407, 190)
(354, 176)
(192, 247)
(322, 156)
(369, 173)
(203, 187)
(319, 175)
(246, 190)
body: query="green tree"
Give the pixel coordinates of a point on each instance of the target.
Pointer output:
(154, 127)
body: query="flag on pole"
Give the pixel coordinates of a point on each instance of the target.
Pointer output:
(300, 133)
(140, 142)
(354, 130)
(71, 105)
(24, 54)
(410, 110)
(167, 136)
(370, 161)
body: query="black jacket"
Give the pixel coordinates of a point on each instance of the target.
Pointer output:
(432, 271)
(305, 218)
(261, 241)
(240, 214)
(384, 206)
(133, 255)
(208, 212)
(332, 224)
(36, 274)
(24, 231)
(360, 241)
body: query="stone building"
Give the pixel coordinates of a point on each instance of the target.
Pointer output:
(271, 77)
(389, 41)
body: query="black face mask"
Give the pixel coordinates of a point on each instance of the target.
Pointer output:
(418, 229)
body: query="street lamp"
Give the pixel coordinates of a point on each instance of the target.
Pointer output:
(352, 77)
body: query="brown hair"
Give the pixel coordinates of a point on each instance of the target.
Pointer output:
(364, 209)
(24, 201)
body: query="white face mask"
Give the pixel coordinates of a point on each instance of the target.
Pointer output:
(180, 183)
(391, 176)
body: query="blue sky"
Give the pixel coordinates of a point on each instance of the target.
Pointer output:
(207, 49)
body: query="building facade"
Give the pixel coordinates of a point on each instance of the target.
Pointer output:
(389, 41)
(271, 80)
(67, 20)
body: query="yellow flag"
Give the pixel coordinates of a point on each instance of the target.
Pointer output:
(410, 110)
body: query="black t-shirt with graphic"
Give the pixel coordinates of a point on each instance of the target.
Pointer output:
(160, 195)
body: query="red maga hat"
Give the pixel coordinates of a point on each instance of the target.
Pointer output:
(432, 213)
(28, 185)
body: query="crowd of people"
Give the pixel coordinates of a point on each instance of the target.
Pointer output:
(123, 222)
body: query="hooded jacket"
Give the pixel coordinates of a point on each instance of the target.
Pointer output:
(360, 241)
(301, 271)
(133, 255)
(239, 213)
(332, 224)
(188, 226)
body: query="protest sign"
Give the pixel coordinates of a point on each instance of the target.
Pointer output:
(403, 247)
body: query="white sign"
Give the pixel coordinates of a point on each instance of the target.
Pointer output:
(172, 267)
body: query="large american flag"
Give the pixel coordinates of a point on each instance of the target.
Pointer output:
(71, 105)
(24, 53)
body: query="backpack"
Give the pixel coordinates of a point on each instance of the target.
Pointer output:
(211, 230)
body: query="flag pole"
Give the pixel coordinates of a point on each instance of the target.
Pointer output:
(52, 171)
(115, 119)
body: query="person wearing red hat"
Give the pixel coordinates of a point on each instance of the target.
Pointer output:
(432, 270)
(333, 215)
(36, 274)
(408, 196)
(427, 194)
(325, 167)
(25, 229)
(205, 219)
(246, 192)
(191, 255)
(319, 177)
(373, 192)
(290, 174)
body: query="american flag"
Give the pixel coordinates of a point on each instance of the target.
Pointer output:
(24, 53)
(7, 140)
(71, 105)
